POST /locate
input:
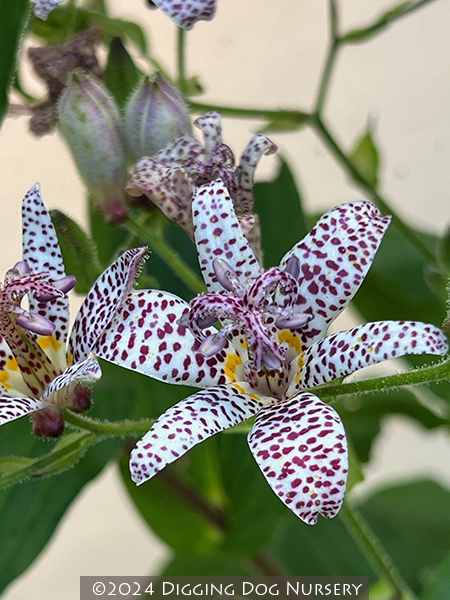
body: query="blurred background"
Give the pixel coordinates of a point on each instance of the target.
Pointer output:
(269, 54)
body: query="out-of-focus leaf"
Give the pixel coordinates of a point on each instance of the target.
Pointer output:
(443, 252)
(193, 86)
(361, 35)
(107, 238)
(121, 74)
(413, 523)
(210, 565)
(165, 510)
(279, 206)
(284, 124)
(436, 281)
(12, 21)
(355, 474)
(53, 29)
(324, 549)
(362, 416)
(439, 586)
(365, 157)
(252, 510)
(78, 250)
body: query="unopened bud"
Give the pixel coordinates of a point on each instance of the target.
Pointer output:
(90, 123)
(48, 422)
(81, 399)
(155, 115)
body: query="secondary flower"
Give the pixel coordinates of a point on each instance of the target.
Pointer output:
(186, 14)
(169, 178)
(42, 8)
(269, 352)
(38, 374)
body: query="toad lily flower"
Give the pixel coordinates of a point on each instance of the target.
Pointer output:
(186, 14)
(37, 374)
(169, 178)
(270, 351)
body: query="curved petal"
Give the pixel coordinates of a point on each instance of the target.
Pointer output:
(210, 124)
(42, 253)
(87, 371)
(42, 8)
(14, 408)
(186, 14)
(190, 422)
(334, 259)
(102, 302)
(347, 351)
(219, 235)
(301, 449)
(145, 336)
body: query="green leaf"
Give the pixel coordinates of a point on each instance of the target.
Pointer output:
(107, 238)
(365, 157)
(324, 549)
(121, 74)
(279, 206)
(443, 252)
(439, 586)
(163, 507)
(11, 464)
(210, 565)
(193, 86)
(413, 523)
(13, 16)
(285, 124)
(252, 510)
(78, 250)
(362, 416)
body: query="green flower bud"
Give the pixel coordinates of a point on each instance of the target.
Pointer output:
(90, 123)
(155, 115)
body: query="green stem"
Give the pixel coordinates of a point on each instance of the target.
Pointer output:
(107, 428)
(289, 116)
(323, 131)
(374, 552)
(331, 58)
(431, 374)
(70, 20)
(157, 243)
(181, 59)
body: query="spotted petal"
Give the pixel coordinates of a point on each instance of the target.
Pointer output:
(347, 351)
(145, 336)
(301, 449)
(186, 14)
(14, 408)
(87, 371)
(103, 301)
(42, 253)
(219, 235)
(42, 8)
(334, 259)
(190, 422)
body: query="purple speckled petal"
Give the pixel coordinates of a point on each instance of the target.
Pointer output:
(301, 449)
(219, 235)
(42, 254)
(87, 371)
(145, 336)
(190, 422)
(42, 8)
(103, 301)
(210, 124)
(186, 14)
(14, 408)
(334, 259)
(347, 351)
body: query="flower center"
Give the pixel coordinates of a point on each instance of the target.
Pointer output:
(255, 310)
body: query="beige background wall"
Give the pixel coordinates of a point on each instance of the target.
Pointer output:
(265, 53)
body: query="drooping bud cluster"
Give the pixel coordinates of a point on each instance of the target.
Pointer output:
(155, 115)
(255, 310)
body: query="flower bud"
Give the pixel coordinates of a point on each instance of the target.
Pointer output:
(90, 123)
(48, 422)
(155, 115)
(80, 399)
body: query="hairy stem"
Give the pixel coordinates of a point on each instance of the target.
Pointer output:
(157, 243)
(373, 551)
(107, 428)
(181, 59)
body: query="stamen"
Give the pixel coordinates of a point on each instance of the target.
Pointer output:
(213, 344)
(35, 323)
(22, 268)
(226, 275)
(293, 321)
(63, 285)
(293, 267)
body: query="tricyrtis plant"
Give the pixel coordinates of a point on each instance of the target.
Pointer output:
(223, 331)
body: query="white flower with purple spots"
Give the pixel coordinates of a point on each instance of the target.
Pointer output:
(170, 177)
(38, 374)
(42, 8)
(269, 352)
(186, 14)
